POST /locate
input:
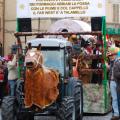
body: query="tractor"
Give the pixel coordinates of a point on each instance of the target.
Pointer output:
(68, 102)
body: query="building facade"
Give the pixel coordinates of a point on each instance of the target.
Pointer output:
(11, 25)
(112, 17)
(1, 26)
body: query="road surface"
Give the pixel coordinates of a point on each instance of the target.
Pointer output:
(90, 117)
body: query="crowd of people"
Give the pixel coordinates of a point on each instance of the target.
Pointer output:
(112, 64)
(88, 49)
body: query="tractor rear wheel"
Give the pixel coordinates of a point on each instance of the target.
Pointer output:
(79, 100)
(76, 91)
(66, 109)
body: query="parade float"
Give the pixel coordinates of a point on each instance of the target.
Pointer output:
(90, 67)
(69, 96)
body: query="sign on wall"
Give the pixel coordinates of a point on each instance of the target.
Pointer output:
(60, 8)
(113, 29)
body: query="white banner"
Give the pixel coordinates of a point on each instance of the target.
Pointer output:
(60, 8)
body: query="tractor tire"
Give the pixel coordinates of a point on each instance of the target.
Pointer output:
(8, 108)
(20, 99)
(66, 109)
(79, 100)
(75, 90)
(19, 91)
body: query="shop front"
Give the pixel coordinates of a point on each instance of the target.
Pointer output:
(113, 31)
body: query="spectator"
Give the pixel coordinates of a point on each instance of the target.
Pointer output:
(116, 73)
(5, 77)
(113, 84)
(1, 79)
(12, 73)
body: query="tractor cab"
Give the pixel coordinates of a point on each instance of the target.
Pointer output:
(56, 53)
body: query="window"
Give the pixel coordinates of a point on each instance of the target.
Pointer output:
(115, 13)
(54, 59)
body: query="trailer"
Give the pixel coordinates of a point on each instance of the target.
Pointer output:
(90, 68)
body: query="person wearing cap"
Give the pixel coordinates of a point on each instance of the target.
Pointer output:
(112, 54)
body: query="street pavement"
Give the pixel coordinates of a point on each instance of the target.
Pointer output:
(86, 117)
(98, 117)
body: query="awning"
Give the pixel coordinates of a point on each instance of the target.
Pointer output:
(71, 26)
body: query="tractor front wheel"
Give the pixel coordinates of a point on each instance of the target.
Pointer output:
(8, 108)
(75, 90)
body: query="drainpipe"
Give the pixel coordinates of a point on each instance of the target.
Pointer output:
(3, 27)
(38, 24)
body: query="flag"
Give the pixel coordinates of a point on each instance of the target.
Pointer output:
(23, 9)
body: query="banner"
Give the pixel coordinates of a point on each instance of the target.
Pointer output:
(60, 8)
(23, 9)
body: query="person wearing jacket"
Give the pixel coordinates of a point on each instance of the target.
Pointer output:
(1, 80)
(12, 73)
(113, 84)
(116, 73)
